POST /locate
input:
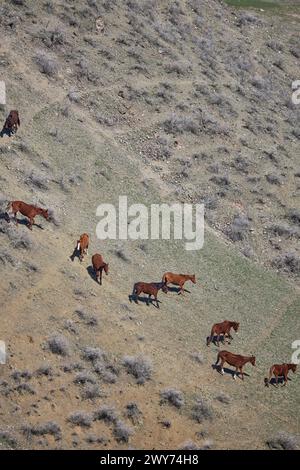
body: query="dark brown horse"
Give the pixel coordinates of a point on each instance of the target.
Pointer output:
(11, 124)
(148, 288)
(81, 246)
(222, 329)
(26, 209)
(234, 360)
(178, 280)
(280, 370)
(99, 265)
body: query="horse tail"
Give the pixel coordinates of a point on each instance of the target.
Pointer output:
(210, 338)
(270, 374)
(8, 207)
(134, 290)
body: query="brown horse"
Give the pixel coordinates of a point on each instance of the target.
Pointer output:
(26, 209)
(81, 247)
(178, 280)
(280, 370)
(222, 329)
(148, 288)
(11, 124)
(234, 360)
(99, 265)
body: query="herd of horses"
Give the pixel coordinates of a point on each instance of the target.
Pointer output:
(219, 331)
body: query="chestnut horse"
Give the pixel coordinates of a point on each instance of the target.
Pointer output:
(178, 280)
(148, 288)
(26, 209)
(99, 265)
(280, 370)
(222, 329)
(12, 123)
(234, 360)
(81, 247)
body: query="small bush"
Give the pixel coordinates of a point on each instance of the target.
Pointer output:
(201, 411)
(17, 375)
(81, 418)
(273, 179)
(7, 439)
(140, 367)
(106, 413)
(44, 369)
(58, 344)
(122, 432)
(289, 262)
(180, 124)
(173, 397)
(220, 180)
(90, 392)
(46, 64)
(25, 388)
(189, 445)
(84, 377)
(284, 230)
(50, 428)
(239, 228)
(197, 357)
(38, 181)
(52, 38)
(106, 372)
(284, 441)
(87, 318)
(93, 354)
(222, 398)
(294, 216)
(133, 412)
(53, 217)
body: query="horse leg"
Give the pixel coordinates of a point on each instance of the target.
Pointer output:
(241, 370)
(285, 380)
(31, 222)
(180, 289)
(15, 218)
(136, 296)
(148, 300)
(101, 276)
(157, 304)
(221, 366)
(218, 340)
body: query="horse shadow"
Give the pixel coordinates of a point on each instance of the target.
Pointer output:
(177, 289)
(5, 216)
(228, 371)
(91, 273)
(7, 132)
(273, 381)
(223, 340)
(75, 254)
(144, 300)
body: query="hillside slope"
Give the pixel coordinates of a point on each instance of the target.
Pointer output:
(164, 97)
